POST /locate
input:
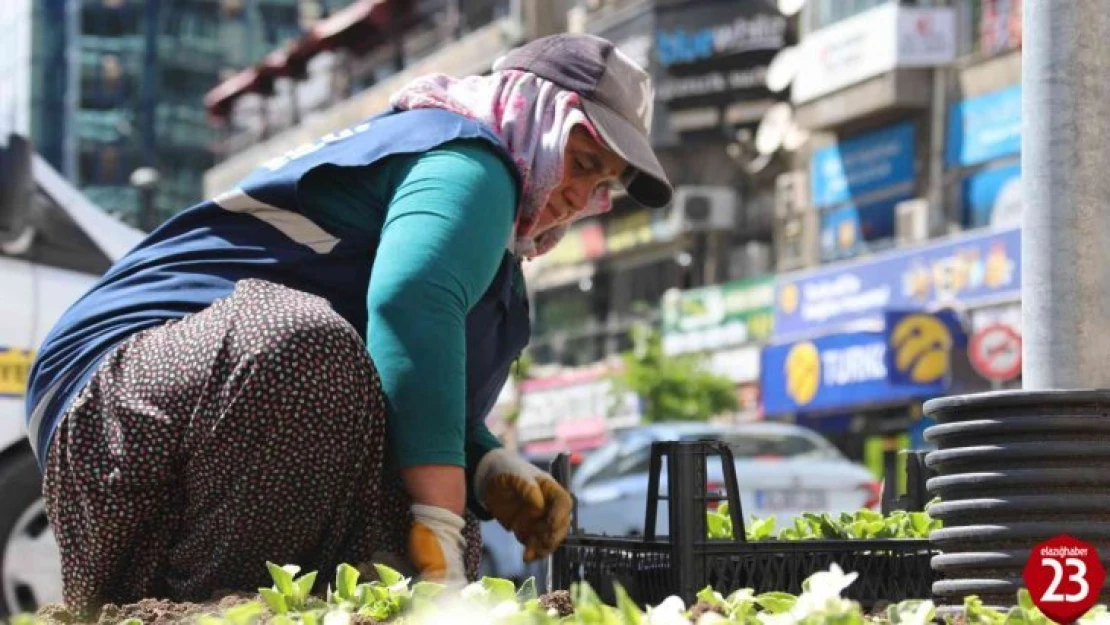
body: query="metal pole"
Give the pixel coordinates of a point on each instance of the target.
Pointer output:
(1065, 155)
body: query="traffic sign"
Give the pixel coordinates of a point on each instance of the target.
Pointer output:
(1064, 577)
(995, 352)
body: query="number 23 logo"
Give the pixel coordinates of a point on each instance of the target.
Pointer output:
(1079, 577)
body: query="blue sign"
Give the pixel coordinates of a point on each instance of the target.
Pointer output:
(993, 197)
(851, 230)
(985, 127)
(971, 269)
(909, 358)
(870, 162)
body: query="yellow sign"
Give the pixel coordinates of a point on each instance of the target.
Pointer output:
(788, 298)
(921, 345)
(629, 231)
(15, 367)
(803, 372)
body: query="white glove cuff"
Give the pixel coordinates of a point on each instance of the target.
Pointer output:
(496, 462)
(438, 518)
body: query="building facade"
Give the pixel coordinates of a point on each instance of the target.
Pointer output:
(872, 170)
(904, 198)
(117, 86)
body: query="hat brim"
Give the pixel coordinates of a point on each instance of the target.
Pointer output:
(648, 185)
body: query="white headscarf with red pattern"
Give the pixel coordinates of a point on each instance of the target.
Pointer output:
(533, 118)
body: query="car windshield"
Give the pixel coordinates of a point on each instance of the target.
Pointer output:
(630, 452)
(751, 445)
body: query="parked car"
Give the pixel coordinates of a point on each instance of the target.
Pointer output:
(781, 469)
(54, 244)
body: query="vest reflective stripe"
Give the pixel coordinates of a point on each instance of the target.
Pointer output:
(293, 225)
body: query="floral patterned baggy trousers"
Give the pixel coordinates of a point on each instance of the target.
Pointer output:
(252, 431)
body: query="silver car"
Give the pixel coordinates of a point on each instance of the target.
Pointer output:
(782, 470)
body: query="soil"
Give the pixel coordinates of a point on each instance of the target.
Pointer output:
(149, 611)
(701, 607)
(560, 600)
(165, 612)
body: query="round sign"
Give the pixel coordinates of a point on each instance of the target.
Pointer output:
(995, 352)
(1064, 576)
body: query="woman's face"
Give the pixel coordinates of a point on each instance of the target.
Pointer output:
(586, 165)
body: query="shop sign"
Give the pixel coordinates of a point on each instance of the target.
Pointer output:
(865, 164)
(999, 26)
(850, 230)
(984, 128)
(739, 364)
(636, 229)
(975, 269)
(909, 358)
(718, 316)
(582, 242)
(994, 197)
(15, 367)
(553, 404)
(995, 352)
(713, 53)
(872, 43)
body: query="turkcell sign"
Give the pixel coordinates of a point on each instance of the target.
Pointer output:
(973, 269)
(854, 364)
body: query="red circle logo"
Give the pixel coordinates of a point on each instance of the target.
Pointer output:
(1064, 576)
(995, 352)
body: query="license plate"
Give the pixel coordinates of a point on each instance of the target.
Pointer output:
(795, 499)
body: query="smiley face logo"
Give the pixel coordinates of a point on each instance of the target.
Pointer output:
(921, 345)
(788, 298)
(803, 372)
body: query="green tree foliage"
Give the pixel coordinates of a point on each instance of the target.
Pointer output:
(672, 388)
(521, 372)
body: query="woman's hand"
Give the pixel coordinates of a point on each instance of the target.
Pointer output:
(436, 545)
(525, 500)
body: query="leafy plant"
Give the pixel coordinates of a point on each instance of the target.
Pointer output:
(671, 388)
(864, 524)
(494, 601)
(287, 593)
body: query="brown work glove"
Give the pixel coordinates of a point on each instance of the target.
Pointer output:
(525, 500)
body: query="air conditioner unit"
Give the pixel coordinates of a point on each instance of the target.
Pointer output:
(704, 208)
(911, 221)
(796, 242)
(791, 194)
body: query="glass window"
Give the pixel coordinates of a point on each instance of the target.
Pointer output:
(779, 446)
(110, 18)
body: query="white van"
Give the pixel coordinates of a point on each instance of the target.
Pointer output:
(54, 244)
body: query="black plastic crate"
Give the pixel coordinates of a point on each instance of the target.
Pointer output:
(652, 568)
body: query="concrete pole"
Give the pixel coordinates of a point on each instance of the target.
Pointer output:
(1065, 157)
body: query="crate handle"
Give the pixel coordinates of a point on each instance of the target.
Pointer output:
(659, 449)
(655, 467)
(732, 493)
(560, 470)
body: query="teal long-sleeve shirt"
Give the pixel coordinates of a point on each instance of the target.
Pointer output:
(442, 219)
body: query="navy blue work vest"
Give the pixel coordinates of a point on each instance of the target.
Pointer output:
(258, 231)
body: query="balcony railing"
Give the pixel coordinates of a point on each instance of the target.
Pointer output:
(333, 77)
(263, 127)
